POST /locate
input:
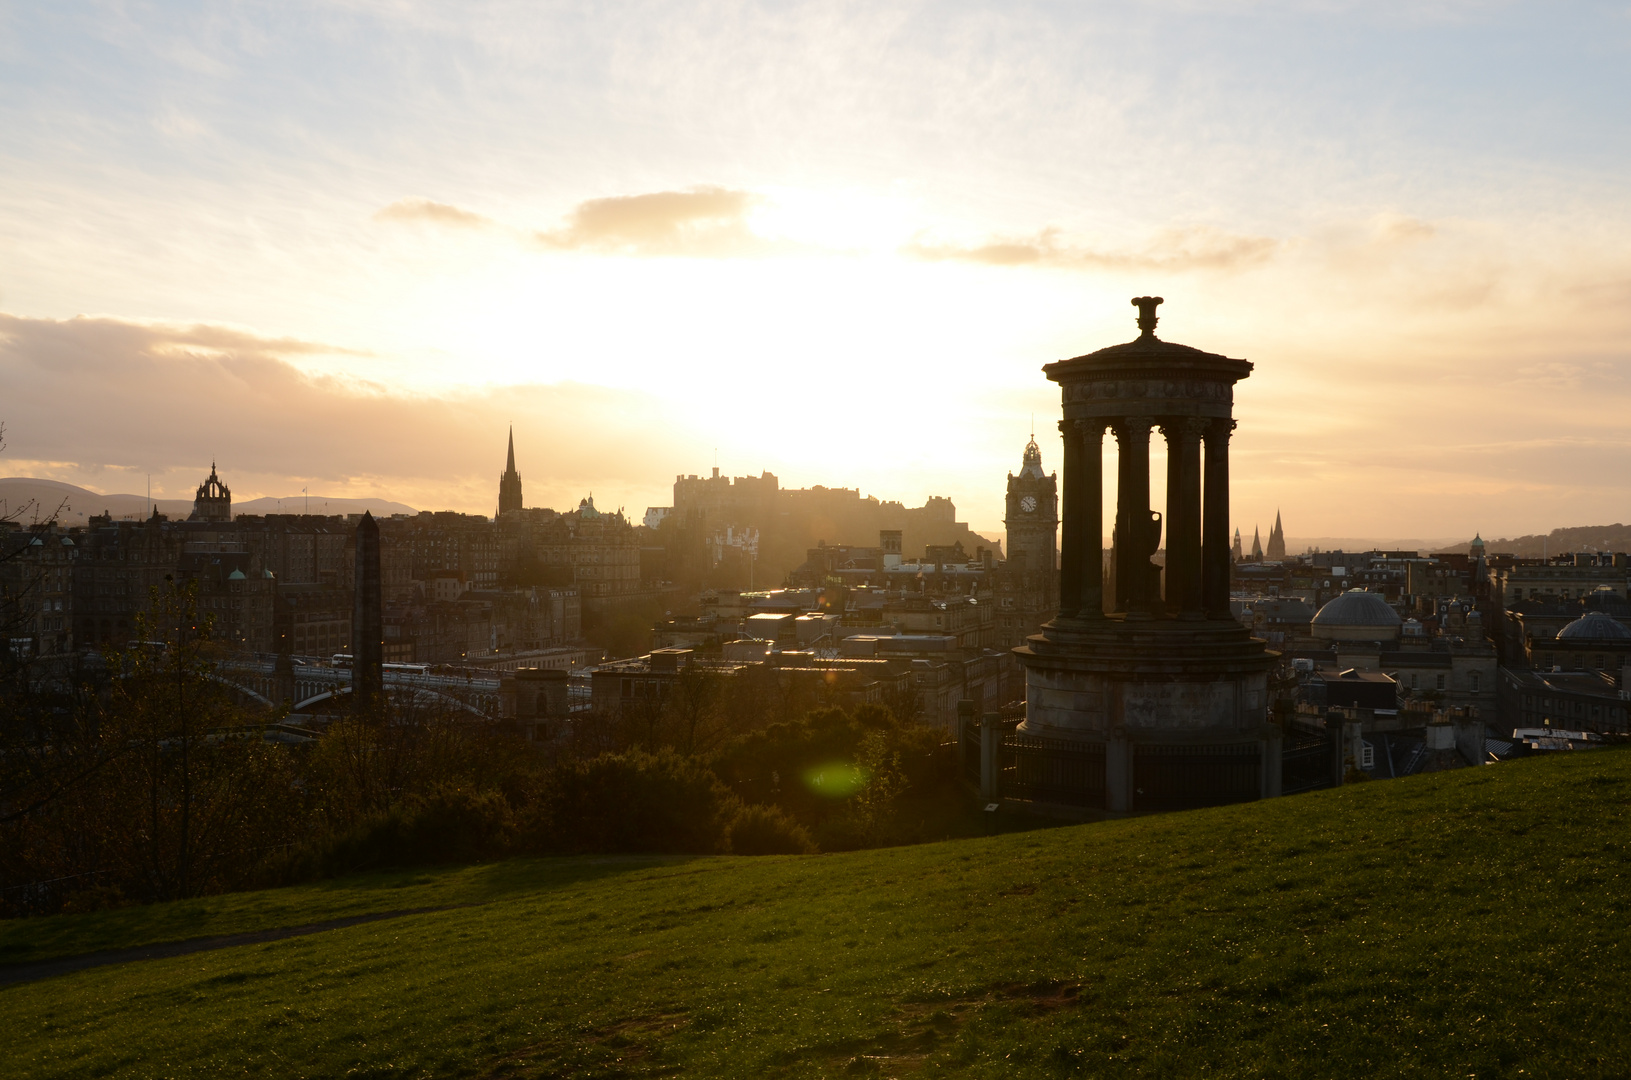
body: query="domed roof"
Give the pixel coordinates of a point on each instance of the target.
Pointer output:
(1594, 626)
(1357, 607)
(1147, 354)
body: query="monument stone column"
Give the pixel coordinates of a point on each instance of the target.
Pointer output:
(1081, 580)
(1215, 527)
(1184, 516)
(1133, 525)
(1070, 521)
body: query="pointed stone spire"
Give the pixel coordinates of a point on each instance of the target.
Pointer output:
(1277, 539)
(509, 485)
(1257, 544)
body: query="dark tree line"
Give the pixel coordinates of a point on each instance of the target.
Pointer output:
(137, 774)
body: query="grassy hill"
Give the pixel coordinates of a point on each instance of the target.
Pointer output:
(1468, 924)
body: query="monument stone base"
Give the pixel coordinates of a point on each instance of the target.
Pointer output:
(1179, 707)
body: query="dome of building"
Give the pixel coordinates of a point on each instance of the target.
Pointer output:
(1357, 615)
(1594, 626)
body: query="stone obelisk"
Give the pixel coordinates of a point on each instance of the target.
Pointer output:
(367, 619)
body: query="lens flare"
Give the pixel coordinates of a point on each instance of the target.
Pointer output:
(836, 779)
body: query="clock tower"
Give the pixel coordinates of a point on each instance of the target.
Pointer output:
(1031, 593)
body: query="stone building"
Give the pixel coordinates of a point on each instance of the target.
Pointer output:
(445, 540)
(1578, 700)
(36, 590)
(1566, 577)
(600, 551)
(118, 566)
(1452, 670)
(1595, 641)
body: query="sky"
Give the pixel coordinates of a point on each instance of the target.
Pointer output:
(343, 246)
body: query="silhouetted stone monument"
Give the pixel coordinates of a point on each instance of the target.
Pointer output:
(367, 619)
(283, 681)
(1170, 687)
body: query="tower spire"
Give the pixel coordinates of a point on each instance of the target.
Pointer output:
(509, 485)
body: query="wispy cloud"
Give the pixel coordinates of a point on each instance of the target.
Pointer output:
(706, 221)
(1191, 248)
(701, 222)
(430, 212)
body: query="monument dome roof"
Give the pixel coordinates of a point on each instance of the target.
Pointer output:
(1147, 354)
(1356, 608)
(1594, 626)
(1148, 347)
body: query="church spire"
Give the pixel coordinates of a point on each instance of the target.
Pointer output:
(509, 485)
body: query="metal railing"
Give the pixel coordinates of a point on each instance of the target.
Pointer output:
(1186, 777)
(1306, 767)
(1053, 771)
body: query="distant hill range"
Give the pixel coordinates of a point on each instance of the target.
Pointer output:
(1296, 545)
(28, 500)
(1614, 537)
(298, 504)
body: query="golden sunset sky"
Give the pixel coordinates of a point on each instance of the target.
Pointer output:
(342, 246)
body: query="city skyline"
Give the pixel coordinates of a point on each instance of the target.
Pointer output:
(341, 248)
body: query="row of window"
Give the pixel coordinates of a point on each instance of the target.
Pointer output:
(1440, 681)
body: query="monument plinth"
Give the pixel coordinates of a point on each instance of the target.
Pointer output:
(1164, 678)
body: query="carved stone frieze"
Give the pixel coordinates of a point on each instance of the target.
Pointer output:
(1203, 390)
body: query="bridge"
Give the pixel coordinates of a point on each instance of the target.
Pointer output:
(314, 684)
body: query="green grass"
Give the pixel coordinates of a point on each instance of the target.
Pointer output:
(24, 941)
(1465, 924)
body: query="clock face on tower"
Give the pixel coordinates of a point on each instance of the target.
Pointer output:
(1028, 504)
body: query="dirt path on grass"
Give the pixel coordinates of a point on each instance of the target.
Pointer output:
(15, 974)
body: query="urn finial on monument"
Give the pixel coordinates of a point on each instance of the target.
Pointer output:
(1147, 319)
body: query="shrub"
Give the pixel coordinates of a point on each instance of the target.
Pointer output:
(765, 830)
(637, 802)
(448, 825)
(95, 898)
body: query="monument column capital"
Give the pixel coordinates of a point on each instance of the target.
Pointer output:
(1093, 425)
(1131, 427)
